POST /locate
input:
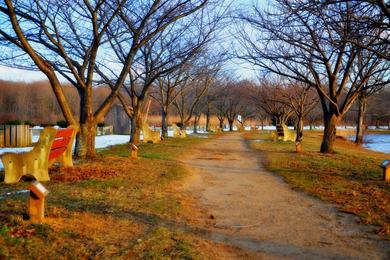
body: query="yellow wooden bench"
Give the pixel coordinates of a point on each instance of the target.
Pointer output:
(288, 134)
(177, 132)
(53, 146)
(283, 133)
(150, 135)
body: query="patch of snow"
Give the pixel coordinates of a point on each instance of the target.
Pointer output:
(108, 140)
(15, 150)
(269, 127)
(100, 142)
(35, 138)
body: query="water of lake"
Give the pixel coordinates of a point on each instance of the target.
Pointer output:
(378, 142)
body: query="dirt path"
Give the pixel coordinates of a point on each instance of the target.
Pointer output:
(256, 211)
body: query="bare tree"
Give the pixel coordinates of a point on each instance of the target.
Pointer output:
(176, 31)
(304, 41)
(302, 100)
(201, 75)
(270, 97)
(235, 100)
(376, 15)
(378, 108)
(165, 93)
(79, 40)
(373, 85)
(220, 103)
(65, 38)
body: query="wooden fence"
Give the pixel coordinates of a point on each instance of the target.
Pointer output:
(15, 135)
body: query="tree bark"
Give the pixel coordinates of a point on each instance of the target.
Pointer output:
(299, 129)
(360, 121)
(377, 123)
(208, 118)
(136, 124)
(85, 139)
(195, 127)
(221, 123)
(230, 125)
(330, 120)
(196, 122)
(164, 123)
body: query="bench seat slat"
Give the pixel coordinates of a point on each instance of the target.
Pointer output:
(56, 152)
(64, 132)
(60, 143)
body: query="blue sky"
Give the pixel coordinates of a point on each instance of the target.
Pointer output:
(242, 70)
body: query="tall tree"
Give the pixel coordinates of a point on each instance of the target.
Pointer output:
(302, 100)
(270, 97)
(65, 38)
(305, 41)
(165, 93)
(175, 30)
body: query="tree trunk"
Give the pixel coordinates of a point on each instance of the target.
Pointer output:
(164, 123)
(299, 129)
(221, 123)
(136, 124)
(360, 121)
(85, 139)
(330, 122)
(230, 124)
(196, 122)
(208, 118)
(195, 126)
(85, 142)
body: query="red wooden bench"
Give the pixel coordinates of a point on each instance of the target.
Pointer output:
(60, 144)
(53, 146)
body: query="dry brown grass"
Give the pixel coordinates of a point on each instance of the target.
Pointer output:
(112, 207)
(351, 177)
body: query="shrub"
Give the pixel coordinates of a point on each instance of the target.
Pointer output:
(13, 122)
(62, 124)
(29, 123)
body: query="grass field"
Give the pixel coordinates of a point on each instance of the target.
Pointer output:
(351, 177)
(111, 207)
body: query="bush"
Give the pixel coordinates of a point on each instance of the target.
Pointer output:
(62, 124)
(13, 122)
(46, 124)
(29, 123)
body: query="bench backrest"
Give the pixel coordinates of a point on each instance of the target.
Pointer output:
(61, 141)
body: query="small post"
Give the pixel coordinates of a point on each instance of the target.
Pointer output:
(298, 147)
(134, 151)
(386, 170)
(273, 136)
(36, 203)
